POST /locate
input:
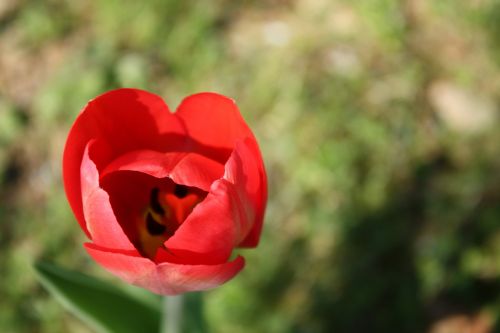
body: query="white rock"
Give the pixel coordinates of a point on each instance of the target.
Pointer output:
(460, 109)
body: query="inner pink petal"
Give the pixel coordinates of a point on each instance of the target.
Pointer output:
(165, 278)
(100, 218)
(184, 168)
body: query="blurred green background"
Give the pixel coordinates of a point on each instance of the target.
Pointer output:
(378, 121)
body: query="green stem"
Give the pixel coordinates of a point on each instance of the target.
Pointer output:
(172, 314)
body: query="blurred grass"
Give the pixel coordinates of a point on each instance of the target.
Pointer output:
(378, 121)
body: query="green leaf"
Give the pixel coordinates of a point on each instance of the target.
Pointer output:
(104, 306)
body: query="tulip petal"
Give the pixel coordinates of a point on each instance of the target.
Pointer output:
(245, 170)
(164, 278)
(209, 233)
(189, 169)
(214, 121)
(99, 216)
(122, 120)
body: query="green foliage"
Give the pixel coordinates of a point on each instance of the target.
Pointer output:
(378, 122)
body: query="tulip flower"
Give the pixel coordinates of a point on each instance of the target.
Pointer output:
(165, 198)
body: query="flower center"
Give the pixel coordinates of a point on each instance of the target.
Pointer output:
(167, 210)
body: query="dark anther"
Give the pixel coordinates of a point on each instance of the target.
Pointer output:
(154, 203)
(180, 191)
(154, 228)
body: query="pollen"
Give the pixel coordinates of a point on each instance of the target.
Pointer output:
(180, 191)
(153, 227)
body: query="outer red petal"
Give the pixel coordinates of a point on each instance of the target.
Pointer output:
(245, 170)
(165, 278)
(183, 168)
(101, 221)
(122, 120)
(213, 120)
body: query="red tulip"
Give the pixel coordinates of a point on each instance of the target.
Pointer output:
(165, 197)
